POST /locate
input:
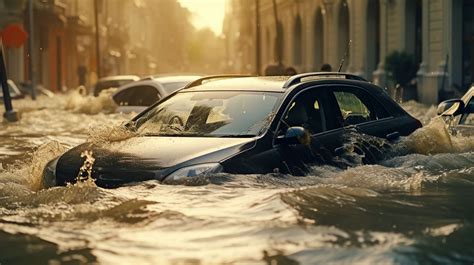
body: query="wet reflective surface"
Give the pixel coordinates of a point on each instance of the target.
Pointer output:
(415, 207)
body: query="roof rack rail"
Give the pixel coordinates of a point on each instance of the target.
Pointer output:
(202, 80)
(298, 78)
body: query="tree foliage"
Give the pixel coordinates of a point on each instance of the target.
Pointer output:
(401, 67)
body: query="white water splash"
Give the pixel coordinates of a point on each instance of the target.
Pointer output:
(109, 133)
(420, 111)
(85, 172)
(89, 104)
(435, 138)
(29, 175)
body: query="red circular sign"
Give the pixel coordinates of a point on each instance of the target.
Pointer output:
(14, 36)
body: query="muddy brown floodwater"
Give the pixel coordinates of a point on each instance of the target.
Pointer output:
(413, 208)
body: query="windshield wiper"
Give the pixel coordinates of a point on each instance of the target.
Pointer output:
(199, 135)
(233, 135)
(174, 134)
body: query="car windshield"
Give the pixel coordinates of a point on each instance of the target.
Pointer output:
(210, 114)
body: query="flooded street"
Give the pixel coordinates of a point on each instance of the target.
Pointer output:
(415, 207)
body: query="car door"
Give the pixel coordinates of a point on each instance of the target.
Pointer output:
(343, 113)
(361, 109)
(310, 109)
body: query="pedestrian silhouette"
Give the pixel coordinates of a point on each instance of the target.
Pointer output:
(274, 70)
(326, 68)
(81, 73)
(290, 71)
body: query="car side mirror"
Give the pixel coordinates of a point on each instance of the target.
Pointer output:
(451, 107)
(295, 135)
(131, 125)
(294, 132)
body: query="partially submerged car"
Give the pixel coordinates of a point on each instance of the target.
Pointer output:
(25, 89)
(138, 95)
(240, 125)
(113, 82)
(459, 113)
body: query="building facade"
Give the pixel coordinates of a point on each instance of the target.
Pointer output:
(12, 13)
(63, 33)
(141, 37)
(438, 34)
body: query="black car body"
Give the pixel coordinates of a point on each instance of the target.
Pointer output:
(242, 125)
(459, 114)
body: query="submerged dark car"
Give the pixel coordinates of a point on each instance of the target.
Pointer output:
(241, 125)
(459, 114)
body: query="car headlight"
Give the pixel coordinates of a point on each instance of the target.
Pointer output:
(49, 174)
(193, 171)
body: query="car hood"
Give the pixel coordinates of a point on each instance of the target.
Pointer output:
(144, 158)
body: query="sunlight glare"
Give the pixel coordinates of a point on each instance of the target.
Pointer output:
(206, 13)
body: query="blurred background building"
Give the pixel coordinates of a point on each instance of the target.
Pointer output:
(63, 40)
(141, 37)
(145, 37)
(437, 34)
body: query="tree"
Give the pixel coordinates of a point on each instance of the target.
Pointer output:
(401, 67)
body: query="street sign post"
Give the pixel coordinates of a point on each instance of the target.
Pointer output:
(31, 49)
(9, 115)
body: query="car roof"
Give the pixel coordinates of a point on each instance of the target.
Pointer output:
(119, 77)
(176, 78)
(256, 83)
(280, 84)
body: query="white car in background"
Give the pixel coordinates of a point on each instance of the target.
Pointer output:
(138, 95)
(15, 93)
(112, 82)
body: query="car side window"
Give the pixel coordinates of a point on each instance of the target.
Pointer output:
(307, 111)
(122, 97)
(137, 96)
(358, 107)
(468, 117)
